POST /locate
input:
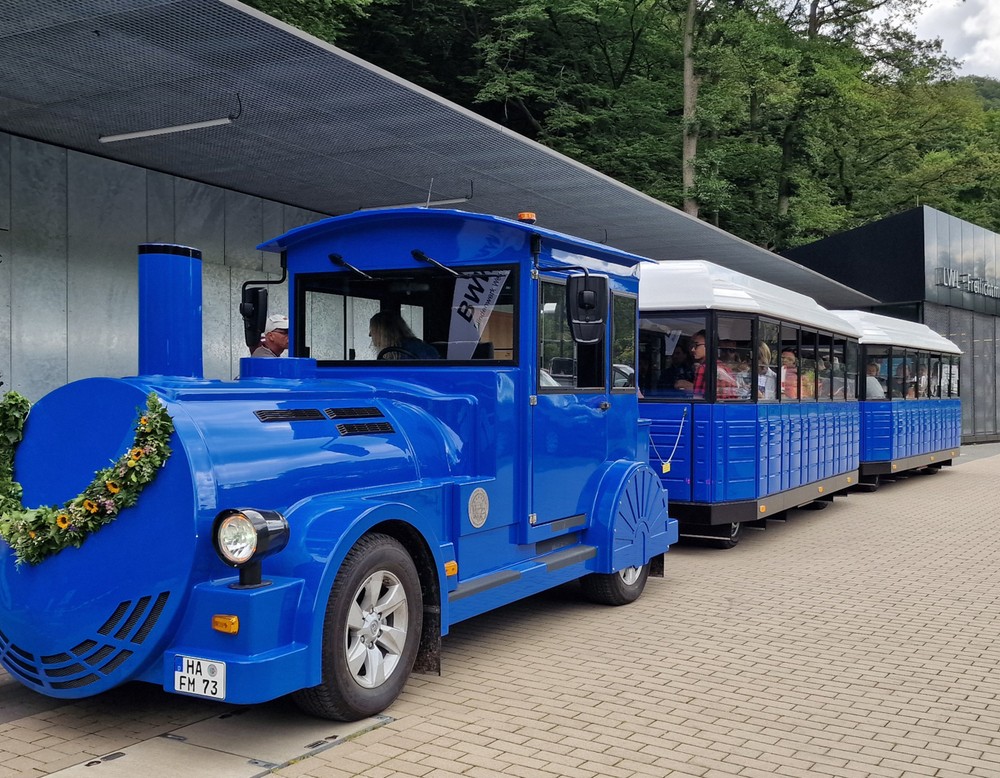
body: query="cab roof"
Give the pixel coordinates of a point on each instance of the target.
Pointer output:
(563, 247)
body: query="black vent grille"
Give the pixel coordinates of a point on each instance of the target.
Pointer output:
(354, 413)
(371, 428)
(298, 414)
(92, 659)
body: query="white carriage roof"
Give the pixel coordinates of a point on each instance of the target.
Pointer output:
(315, 127)
(889, 331)
(696, 285)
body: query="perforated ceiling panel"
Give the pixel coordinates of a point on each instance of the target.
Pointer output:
(314, 127)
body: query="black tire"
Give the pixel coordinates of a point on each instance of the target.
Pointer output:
(378, 587)
(815, 505)
(619, 588)
(729, 535)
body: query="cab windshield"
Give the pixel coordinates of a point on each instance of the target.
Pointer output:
(428, 316)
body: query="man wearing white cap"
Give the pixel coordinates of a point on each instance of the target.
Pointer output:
(274, 341)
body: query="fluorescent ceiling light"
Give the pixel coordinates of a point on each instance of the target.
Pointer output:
(165, 130)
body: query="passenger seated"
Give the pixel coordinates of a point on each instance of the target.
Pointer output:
(393, 338)
(789, 374)
(679, 369)
(873, 388)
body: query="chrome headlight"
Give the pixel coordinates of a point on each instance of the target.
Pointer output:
(243, 537)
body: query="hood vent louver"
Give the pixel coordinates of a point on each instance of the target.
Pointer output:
(370, 428)
(297, 414)
(354, 413)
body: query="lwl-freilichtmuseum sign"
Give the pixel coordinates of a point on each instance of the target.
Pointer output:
(966, 282)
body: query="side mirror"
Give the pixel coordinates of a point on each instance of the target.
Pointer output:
(253, 309)
(586, 306)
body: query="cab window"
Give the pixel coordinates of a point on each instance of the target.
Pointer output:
(427, 316)
(563, 363)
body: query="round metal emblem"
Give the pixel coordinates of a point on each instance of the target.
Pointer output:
(479, 507)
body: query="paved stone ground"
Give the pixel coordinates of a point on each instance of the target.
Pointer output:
(862, 640)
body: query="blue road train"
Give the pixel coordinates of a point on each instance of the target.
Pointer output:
(757, 398)
(315, 527)
(458, 426)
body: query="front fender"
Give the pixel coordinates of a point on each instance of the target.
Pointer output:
(325, 529)
(630, 523)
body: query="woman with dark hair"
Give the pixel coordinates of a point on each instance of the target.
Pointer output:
(393, 338)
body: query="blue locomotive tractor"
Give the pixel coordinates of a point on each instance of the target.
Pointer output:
(447, 436)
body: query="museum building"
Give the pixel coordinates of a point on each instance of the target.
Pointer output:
(927, 266)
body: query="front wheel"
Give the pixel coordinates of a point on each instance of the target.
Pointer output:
(371, 632)
(619, 588)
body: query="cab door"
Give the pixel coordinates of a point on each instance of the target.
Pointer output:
(569, 418)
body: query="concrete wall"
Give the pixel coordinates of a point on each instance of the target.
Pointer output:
(69, 227)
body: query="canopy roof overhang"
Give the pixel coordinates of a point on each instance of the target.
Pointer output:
(313, 126)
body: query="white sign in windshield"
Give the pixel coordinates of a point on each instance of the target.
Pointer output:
(475, 296)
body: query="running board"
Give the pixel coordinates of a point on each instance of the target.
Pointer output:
(888, 467)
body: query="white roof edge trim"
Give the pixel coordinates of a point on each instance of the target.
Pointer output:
(877, 329)
(700, 285)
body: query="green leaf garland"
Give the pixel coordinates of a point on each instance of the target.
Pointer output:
(38, 533)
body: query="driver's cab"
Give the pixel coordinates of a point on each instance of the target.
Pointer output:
(515, 344)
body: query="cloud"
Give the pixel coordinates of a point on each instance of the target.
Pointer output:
(970, 32)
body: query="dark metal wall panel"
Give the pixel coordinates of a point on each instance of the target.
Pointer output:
(160, 215)
(5, 262)
(217, 320)
(200, 218)
(983, 372)
(106, 218)
(68, 268)
(243, 231)
(38, 267)
(884, 260)
(961, 335)
(273, 222)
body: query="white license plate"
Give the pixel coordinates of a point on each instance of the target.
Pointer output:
(201, 677)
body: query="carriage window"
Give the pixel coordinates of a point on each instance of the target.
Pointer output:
(429, 316)
(876, 372)
(768, 354)
(921, 381)
(949, 378)
(623, 343)
(852, 357)
(824, 366)
(901, 380)
(672, 349)
(789, 375)
(734, 359)
(808, 353)
(934, 376)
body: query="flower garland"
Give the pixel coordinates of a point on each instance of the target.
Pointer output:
(38, 533)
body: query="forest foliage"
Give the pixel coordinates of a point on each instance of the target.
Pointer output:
(781, 121)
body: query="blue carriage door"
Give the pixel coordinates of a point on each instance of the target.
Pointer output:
(569, 420)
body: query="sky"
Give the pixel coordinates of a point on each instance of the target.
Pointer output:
(969, 30)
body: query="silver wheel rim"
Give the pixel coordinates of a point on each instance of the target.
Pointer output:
(734, 530)
(376, 629)
(630, 575)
